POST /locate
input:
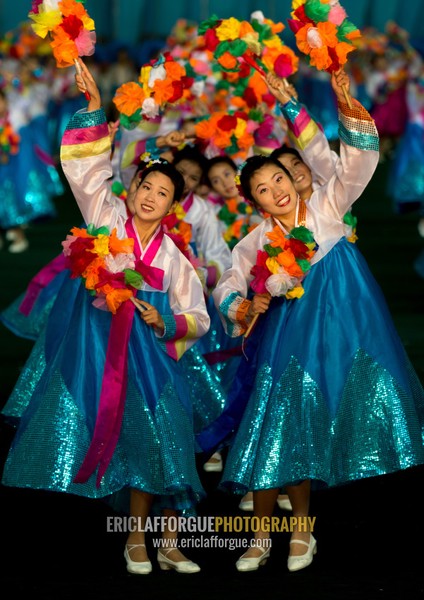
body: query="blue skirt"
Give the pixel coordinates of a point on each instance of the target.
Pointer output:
(333, 396)
(207, 393)
(406, 177)
(56, 409)
(29, 181)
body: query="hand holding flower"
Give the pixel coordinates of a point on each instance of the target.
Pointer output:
(279, 88)
(85, 83)
(260, 304)
(150, 315)
(341, 85)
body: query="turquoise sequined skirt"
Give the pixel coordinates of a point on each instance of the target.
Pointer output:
(55, 405)
(334, 397)
(30, 180)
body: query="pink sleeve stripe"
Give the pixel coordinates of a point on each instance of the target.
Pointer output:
(85, 134)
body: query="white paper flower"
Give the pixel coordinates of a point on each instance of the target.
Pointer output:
(116, 264)
(158, 72)
(313, 38)
(258, 15)
(198, 88)
(280, 283)
(150, 108)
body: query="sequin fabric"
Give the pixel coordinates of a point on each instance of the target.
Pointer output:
(287, 433)
(87, 119)
(154, 451)
(334, 397)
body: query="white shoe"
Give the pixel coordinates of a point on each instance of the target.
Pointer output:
(246, 503)
(253, 563)
(284, 503)
(181, 566)
(19, 246)
(295, 563)
(138, 568)
(215, 465)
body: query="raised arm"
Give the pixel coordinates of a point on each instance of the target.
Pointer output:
(305, 134)
(85, 157)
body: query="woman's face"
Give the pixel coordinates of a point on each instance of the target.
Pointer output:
(221, 176)
(300, 172)
(191, 172)
(153, 198)
(272, 189)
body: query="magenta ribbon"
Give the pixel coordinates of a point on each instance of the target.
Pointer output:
(114, 383)
(187, 203)
(151, 275)
(40, 281)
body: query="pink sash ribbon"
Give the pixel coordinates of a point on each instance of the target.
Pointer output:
(187, 203)
(40, 281)
(114, 383)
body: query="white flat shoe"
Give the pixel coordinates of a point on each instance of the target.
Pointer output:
(215, 465)
(246, 504)
(19, 246)
(181, 566)
(284, 504)
(295, 563)
(137, 568)
(254, 562)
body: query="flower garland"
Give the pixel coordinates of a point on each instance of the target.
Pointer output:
(256, 43)
(161, 82)
(9, 141)
(69, 27)
(323, 32)
(105, 263)
(236, 215)
(283, 263)
(230, 132)
(179, 231)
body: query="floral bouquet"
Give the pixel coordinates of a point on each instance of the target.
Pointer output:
(323, 33)
(283, 264)
(9, 141)
(228, 133)
(105, 263)
(161, 82)
(69, 27)
(256, 43)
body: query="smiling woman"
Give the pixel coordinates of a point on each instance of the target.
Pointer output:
(325, 401)
(126, 424)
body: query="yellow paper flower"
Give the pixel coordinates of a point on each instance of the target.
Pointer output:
(101, 245)
(180, 212)
(45, 20)
(240, 127)
(273, 265)
(252, 41)
(144, 80)
(295, 5)
(229, 29)
(273, 42)
(296, 292)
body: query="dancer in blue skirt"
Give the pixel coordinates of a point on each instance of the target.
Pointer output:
(111, 413)
(334, 396)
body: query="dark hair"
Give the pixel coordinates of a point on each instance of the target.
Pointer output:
(253, 164)
(170, 171)
(192, 154)
(216, 160)
(284, 149)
